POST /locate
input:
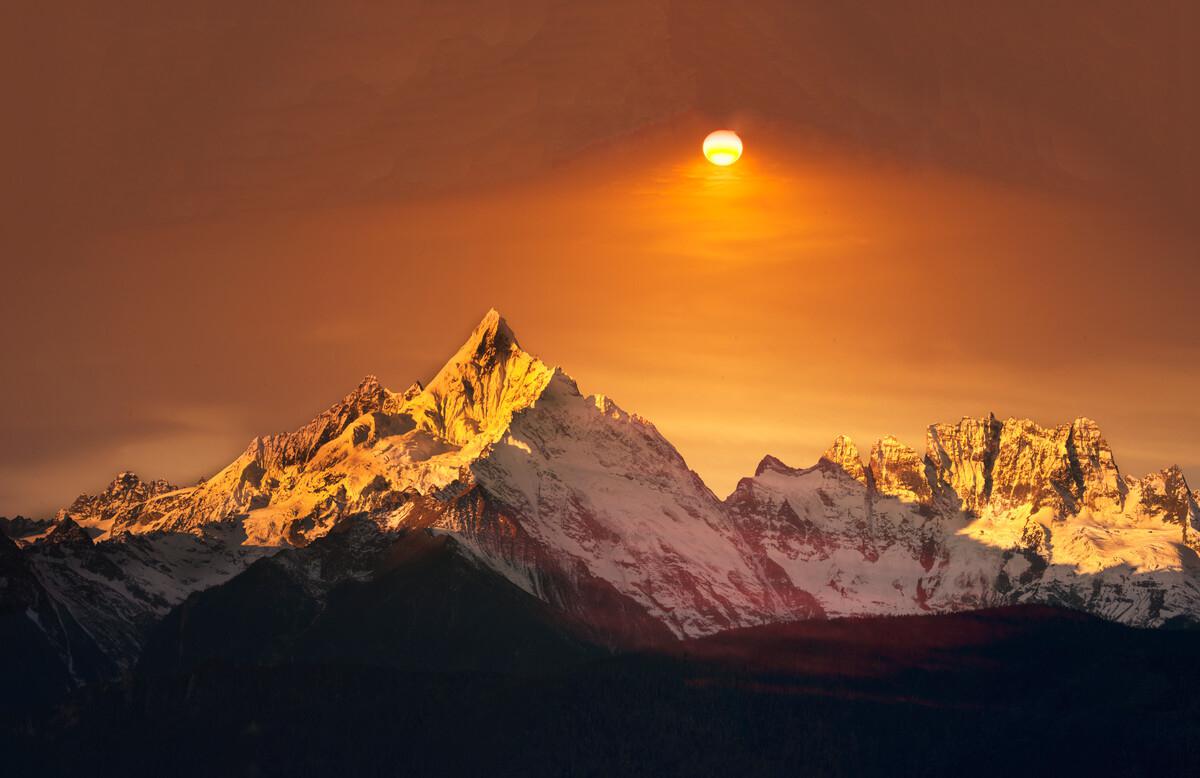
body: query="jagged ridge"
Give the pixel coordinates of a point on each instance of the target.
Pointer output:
(591, 509)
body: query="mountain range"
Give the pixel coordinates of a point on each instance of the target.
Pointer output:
(501, 488)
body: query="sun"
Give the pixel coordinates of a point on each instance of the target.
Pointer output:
(723, 147)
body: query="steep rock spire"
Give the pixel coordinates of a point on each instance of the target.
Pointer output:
(126, 492)
(961, 456)
(898, 471)
(1032, 467)
(1165, 493)
(1065, 468)
(843, 455)
(473, 397)
(1097, 478)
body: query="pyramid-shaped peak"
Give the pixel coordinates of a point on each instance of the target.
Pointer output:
(474, 395)
(771, 464)
(492, 333)
(490, 343)
(492, 318)
(68, 531)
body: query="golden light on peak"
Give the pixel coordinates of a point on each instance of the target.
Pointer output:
(723, 147)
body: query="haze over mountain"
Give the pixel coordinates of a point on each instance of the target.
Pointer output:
(866, 454)
(944, 209)
(589, 523)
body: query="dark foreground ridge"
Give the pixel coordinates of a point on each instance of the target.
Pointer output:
(412, 601)
(1013, 691)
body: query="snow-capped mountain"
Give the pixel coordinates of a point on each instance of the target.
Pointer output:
(94, 601)
(995, 512)
(125, 496)
(591, 510)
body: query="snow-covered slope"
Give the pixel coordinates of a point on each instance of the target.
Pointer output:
(994, 512)
(591, 491)
(589, 508)
(592, 483)
(106, 594)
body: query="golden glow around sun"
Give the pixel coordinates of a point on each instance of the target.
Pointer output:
(723, 147)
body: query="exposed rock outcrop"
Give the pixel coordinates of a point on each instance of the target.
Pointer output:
(590, 509)
(843, 455)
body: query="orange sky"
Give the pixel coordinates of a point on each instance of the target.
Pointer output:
(218, 222)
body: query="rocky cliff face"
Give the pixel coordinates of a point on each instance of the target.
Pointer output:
(962, 456)
(590, 509)
(471, 401)
(124, 499)
(899, 471)
(995, 512)
(843, 455)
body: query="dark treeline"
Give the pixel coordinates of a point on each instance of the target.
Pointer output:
(1049, 693)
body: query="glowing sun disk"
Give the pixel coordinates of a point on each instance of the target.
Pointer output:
(723, 147)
